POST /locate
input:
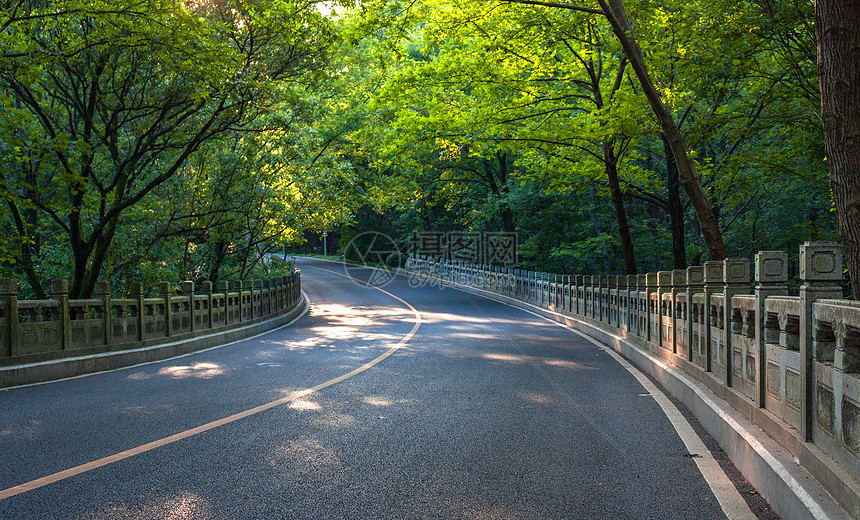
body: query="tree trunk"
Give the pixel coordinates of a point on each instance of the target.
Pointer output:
(218, 259)
(498, 183)
(596, 223)
(676, 209)
(610, 162)
(616, 13)
(837, 27)
(505, 209)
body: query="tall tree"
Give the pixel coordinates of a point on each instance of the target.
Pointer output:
(837, 25)
(622, 26)
(110, 103)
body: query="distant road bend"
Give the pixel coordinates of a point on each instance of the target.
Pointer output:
(392, 402)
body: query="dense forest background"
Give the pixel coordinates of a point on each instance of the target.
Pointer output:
(165, 140)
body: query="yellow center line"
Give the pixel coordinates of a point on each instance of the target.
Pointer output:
(89, 466)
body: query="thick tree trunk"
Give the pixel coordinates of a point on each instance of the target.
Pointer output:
(617, 15)
(218, 259)
(508, 220)
(837, 27)
(610, 162)
(676, 209)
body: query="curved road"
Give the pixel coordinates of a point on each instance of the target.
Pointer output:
(423, 403)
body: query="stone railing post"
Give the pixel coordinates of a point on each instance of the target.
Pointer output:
(206, 287)
(517, 283)
(238, 287)
(679, 285)
(248, 290)
(641, 307)
(9, 293)
(588, 283)
(164, 294)
(664, 286)
(188, 292)
(713, 284)
(621, 303)
(248, 293)
(651, 285)
(60, 293)
(611, 295)
(544, 290)
(820, 274)
(280, 284)
(103, 294)
(771, 273)
(736, 280)
(571, 297)
(524, 285)
(532, 287)
(602, 295)
(504, 278)
(632, 299)
(577, 288)
(565, 294)
(223, 287)
(135, 292)
(695, 285)
(258, 290)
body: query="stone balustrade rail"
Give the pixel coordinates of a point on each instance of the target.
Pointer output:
(33, 331)
(791, 364)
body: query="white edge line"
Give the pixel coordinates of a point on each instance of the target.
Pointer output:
(812, 505)
(145, 349)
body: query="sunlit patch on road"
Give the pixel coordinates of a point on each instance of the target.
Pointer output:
(307, 456)
(331, 419)
(184, 505)
(507, 358)
(540, 361)
(566, 363)
(376, 401)
(304, 404)
(198, 370)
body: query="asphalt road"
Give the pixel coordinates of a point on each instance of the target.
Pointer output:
(485, 411)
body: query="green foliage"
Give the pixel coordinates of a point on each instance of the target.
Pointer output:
(106, 104)
(165, 140)
(456, 84)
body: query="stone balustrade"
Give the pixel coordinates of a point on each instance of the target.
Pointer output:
(791, 364)
(43, 330)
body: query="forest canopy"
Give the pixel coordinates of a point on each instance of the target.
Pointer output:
(164, 140)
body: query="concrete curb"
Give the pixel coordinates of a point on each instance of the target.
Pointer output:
(787, 486)
(47, 371)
